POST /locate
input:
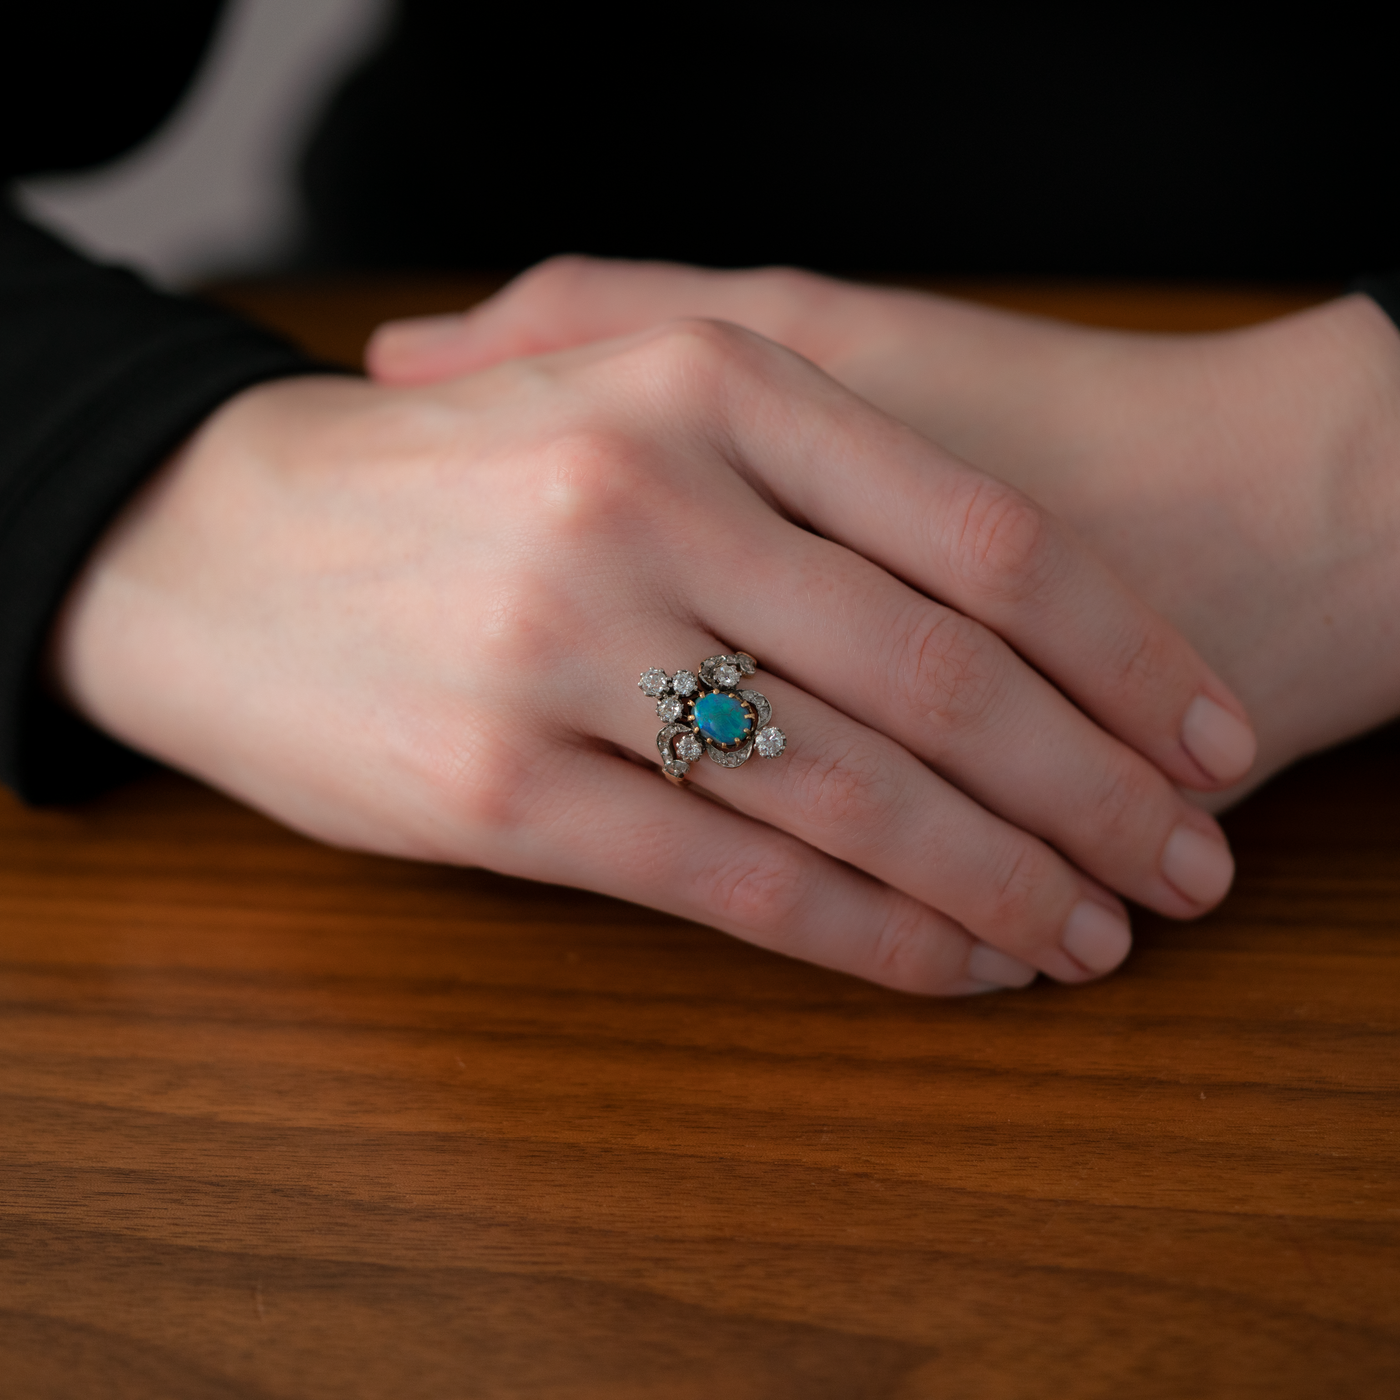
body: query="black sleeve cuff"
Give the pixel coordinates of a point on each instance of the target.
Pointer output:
(101, 378)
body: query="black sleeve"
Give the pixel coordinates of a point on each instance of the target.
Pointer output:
(100, 379)
(100, 376)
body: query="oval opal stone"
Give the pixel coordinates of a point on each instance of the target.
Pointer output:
(721, 718)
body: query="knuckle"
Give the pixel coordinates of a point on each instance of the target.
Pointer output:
(1016, 880)
(554, 277)
(589, 480)
(697, 341)
(942, 669)
(901, 955)
(1134, 662)
(1005, 543)
(688, 360)
(847, 790)
(763, 892)
(490, 787)
(1120, 801)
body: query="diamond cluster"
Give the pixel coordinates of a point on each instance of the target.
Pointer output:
(718, 733)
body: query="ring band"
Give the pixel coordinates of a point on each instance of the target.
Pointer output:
(707, 714)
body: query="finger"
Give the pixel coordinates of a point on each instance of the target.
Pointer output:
(836, 465)
(614, 827)
(956, 696)
(569, 301)
(858, 796)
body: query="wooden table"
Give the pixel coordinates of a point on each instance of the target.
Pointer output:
(276, 1120)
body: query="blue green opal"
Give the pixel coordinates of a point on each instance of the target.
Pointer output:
(721, 718)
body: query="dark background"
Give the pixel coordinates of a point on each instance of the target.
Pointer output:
(857, 137)
(845, 137)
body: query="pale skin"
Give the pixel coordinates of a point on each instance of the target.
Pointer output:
(1245, 484)
(410, 620)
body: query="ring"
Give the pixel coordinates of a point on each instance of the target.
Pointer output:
(706, 714)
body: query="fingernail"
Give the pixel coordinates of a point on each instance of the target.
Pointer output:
(1199, 866)
(1222, 743)
(1096, 937)
(991, 965)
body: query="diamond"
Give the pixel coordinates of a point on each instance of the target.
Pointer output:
(684, 683)
(653, 682)
(746, 663)
(676, 768)
(669, 708)
(688, 746)
(726, 676)
(770, 742)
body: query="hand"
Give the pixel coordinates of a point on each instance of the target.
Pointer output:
(412, 621)
(1245, 484)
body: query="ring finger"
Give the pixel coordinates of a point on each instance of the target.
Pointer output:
(858, 796)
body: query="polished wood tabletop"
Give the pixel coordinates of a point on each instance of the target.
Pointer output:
(282, 1121)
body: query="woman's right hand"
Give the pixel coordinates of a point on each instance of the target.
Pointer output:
(412, 621)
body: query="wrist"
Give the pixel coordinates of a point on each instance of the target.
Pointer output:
(120, 644)
(1308, 412)
(1349, 357)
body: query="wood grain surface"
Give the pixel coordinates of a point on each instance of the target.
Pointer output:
(282, 1121)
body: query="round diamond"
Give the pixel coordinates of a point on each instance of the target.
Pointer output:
(669, 708)
(770, 742)
(684, 683)
(676, 768)
(688, 746)
(653, 682)
(726, 676)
